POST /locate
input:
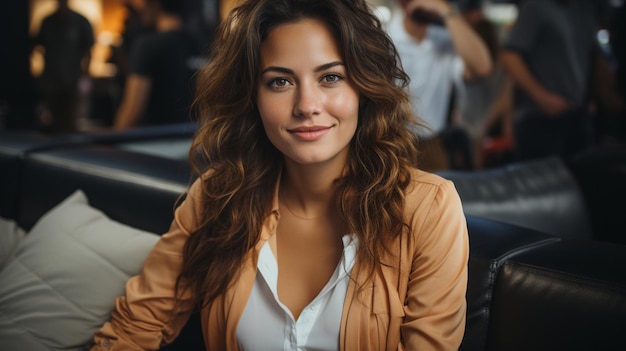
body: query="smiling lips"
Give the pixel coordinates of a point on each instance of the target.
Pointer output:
(309, 133)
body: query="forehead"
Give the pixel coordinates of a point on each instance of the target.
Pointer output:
(304, 40)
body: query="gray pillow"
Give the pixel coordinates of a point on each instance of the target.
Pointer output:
(10, 235)
(61, 283)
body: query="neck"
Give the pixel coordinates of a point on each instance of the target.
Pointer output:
(63, 10)
(308, 191)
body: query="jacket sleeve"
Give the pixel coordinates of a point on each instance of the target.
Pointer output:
(435, 306)
(149, 315)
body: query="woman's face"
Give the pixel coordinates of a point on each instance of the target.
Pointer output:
(307, 103)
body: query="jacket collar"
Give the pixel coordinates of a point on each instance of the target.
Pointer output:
(271, 221)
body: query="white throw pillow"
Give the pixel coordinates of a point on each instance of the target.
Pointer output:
(10, 235)
(61, 284)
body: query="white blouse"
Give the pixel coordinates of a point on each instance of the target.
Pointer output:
(267, 324)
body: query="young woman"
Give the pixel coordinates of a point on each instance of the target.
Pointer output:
(309, 227)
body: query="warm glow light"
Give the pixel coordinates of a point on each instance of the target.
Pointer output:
(504, 14)
(91, 9)
(106, 18)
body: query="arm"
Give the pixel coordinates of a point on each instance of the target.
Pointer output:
(86, 61)
(527, 30)
(435, 305)
(468, 45)
(87, 44)
(603, 86)
(136, 93)
(551, 104)
(501, 110)
(37, 41)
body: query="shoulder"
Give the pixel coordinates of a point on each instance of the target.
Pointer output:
(79, 18)
(160, 43)
(145, 46)
(393, 24)
(197, 186)
(430, 197)
(534, 4)
(49, 21)
(145, 39)
(426, 181)
(428, 187)
(538, 8)
(190, 209)
(434, 214)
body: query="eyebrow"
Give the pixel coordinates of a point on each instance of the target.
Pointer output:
(319, 68)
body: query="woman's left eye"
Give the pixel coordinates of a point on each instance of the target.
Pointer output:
(331, 78)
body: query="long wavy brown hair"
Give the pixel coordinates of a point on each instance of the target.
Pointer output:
(244, 166)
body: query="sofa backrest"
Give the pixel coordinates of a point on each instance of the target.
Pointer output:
(601, 172)
(14, 146)
(136, 189)
(540, 195)
(169, 141)
(132, 186)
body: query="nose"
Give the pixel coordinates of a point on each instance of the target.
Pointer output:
(308, 101)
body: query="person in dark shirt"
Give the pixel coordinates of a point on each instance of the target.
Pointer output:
(66, 38)
(159, 86)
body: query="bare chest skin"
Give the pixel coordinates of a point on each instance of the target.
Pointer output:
(307, 252)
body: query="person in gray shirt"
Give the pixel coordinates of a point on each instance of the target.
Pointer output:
(548, 53)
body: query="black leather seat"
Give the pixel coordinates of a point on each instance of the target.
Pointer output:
(541, 195)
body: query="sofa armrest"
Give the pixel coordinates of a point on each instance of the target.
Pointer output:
(491, 244)
(569, 295)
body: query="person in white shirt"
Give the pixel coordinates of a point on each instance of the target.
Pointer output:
(309, 226)
(438, 50)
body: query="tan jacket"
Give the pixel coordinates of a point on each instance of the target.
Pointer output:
(416, 304)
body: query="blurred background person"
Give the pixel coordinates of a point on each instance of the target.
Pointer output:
(159, 83)
(66, 38)
(548, 53)
(485, 108)
(617, 30)
(438, 50)
(136, 24)
(609, 85)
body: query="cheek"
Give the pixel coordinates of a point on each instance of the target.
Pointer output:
(270, 109)
(271, 118)
(345, 105)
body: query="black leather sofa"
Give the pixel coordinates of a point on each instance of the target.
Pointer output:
(541, 194)
(528, 289)
(577, 198)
